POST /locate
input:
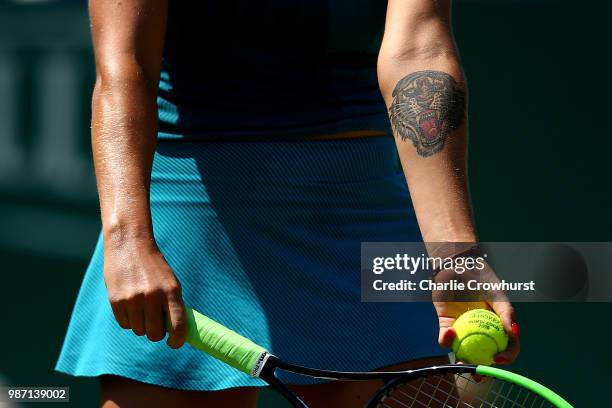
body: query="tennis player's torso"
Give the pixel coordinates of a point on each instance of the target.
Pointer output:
(276, 67)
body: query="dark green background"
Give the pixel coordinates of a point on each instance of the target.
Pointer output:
(541, 134)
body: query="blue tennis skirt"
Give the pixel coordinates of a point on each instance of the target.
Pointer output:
(265, 238)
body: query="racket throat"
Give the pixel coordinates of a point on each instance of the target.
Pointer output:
(261, 364)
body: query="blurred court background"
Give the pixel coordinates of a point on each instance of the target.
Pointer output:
(541, 134)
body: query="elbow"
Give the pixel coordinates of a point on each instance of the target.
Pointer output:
(425, 42)
(426, 52)
(419, 36)
(411, 56)
(120, 72)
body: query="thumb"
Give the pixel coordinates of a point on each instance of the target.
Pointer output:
(447, 334)
(177, 324)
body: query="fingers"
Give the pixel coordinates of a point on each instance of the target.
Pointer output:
(143, 296)
(147, 314)
(446, 336)
(177, 325)
(448, 312)
(506, 313)
(154, 316)
(120, 314)
(511, 353)
(135, 312)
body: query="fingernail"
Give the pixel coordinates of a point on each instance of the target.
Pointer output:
(500, 360)
(451, 333)
(515, 329)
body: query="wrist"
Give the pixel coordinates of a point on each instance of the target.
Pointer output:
(467, 235)
(121, 233)
(450, 243)
(448, 224)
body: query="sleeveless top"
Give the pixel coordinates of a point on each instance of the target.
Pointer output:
(270, 69)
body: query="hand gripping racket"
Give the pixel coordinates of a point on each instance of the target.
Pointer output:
(441, 386)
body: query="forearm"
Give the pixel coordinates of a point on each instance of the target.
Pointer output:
(124, 125)
(425, 92)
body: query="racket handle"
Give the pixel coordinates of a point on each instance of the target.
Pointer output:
(224, 344)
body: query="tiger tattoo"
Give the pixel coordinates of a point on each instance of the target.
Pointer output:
(426, 107)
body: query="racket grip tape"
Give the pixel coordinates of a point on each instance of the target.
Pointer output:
(224, 344)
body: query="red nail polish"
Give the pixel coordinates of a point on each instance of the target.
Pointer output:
(500, 360)
(515, 329)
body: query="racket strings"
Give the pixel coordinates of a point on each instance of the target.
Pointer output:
(460, 391)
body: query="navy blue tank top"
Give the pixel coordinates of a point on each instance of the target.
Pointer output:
(270, 69)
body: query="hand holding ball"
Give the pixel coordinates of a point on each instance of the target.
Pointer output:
(480, 336)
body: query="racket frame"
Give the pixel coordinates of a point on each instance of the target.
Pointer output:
(272, 363)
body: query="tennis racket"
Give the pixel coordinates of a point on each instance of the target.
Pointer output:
(441, 386)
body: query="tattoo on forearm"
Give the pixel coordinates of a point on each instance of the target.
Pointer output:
(426, 107)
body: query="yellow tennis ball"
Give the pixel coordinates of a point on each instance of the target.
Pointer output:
(480, 336)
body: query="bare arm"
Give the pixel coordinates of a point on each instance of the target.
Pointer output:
(424, 88)
(128, 41)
